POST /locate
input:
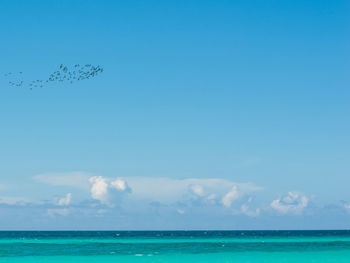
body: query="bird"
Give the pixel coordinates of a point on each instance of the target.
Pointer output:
(61, 75)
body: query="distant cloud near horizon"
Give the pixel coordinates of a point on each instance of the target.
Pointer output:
(9, 200)
(57, 211)
(159, 199)
(347, 207)
(64, 201)
(104, 189)
(293, 203)
(168, 191)
(230, 196)
(72, 179)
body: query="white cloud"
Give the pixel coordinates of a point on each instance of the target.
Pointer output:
(65, 200)
(181, 211)
(197, 190)
(145, 190)
(230, 196)
(72, 179)
(119, 184)
(293, 203)
(102, 188)
(169, 191)
(99, 188)
(13, 201)
(211, 199)
(347, 207)
(246, 210)
(249, 212)
(58, 211)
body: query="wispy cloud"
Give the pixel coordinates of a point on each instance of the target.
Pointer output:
(71, 179)
(13, 201)
(58, 211)
(3, 187)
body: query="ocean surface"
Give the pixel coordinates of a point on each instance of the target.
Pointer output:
(175, 246)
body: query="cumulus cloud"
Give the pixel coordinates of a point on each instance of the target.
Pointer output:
(247, 210)
(152, 189)
(99, 188)
(119, 184)
(104, 189)
(142, 191)
(230, 196)
(293, 203)
(197, 190)
(177, 193)
(65, 200)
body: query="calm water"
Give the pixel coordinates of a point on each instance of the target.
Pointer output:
(176, 246)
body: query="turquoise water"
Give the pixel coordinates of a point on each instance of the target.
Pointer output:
(175, 246)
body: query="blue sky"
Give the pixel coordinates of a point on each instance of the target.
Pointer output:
(233, 111)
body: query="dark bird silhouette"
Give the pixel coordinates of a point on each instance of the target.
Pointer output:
(62, 74)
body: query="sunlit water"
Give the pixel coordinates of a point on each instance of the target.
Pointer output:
(176, 246)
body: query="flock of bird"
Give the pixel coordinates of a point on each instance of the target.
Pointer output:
(62, 74)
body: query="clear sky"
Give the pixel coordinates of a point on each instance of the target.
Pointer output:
(208, 115)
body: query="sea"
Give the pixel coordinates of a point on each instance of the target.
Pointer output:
(175, 246)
